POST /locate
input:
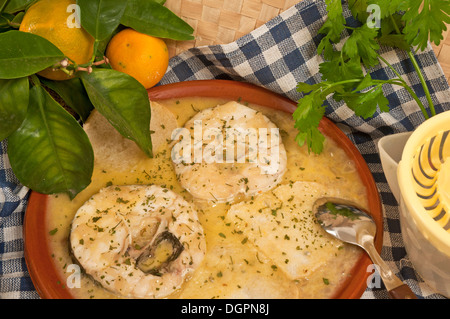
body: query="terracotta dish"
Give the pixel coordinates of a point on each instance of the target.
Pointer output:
(38, 258)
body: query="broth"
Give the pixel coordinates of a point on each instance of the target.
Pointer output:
(233, 267)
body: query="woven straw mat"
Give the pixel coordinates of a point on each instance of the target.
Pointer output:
(223, 21)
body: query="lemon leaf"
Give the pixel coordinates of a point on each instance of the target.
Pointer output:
(16, 5)
(124, 102)
(73, 93)
(13, 105)
(23, 54)
(152, 18)
(101, 17)
(50, 152)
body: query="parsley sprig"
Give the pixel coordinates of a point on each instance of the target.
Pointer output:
(404, 24)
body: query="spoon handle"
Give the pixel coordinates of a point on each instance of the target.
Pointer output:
(402, 292)
(395, 287)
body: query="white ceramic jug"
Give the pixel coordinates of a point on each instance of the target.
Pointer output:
(417, 168)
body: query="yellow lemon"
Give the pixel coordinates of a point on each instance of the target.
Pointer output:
(54, 21)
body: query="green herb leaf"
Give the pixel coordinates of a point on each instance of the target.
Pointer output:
(338, 70)
(359, 9)
(366, 104)
(152, 18)
(344, 211)
(336, 17)
(13, 105)
(25, 53)
(306, 88)
(101, 17)
(394, 41)
(425, 20)
(332, 28)
(388, 32)
(387, 7)
(124, 102)
(307, 117)
(362, 43)
(50, 152)
(343, 75)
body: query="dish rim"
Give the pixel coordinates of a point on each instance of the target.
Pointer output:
(49, 283)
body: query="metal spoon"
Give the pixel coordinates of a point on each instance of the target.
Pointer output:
(347, 222)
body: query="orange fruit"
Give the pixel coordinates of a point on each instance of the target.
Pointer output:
(48, 19)
(139, 55)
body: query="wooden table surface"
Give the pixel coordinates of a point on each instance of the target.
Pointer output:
(223, 21)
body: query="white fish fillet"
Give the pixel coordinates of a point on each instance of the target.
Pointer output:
(280, 223)
(244, 169)
(113, 228)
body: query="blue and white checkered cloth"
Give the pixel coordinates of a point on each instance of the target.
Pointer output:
(277, 56)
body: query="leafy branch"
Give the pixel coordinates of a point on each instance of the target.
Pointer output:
(404, 24)
(48, 149)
